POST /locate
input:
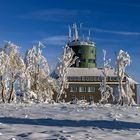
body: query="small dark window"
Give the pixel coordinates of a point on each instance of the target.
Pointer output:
(82, 89)
(82, 97)
(91, 60)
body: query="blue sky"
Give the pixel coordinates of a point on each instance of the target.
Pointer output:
(114, 24)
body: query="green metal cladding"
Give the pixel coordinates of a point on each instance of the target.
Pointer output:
(86, 56)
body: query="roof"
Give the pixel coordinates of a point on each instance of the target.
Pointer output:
(132, 81)
(72, 72)
(89, 72)
(78, 42)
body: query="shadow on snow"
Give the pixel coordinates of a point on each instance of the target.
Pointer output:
(102, 124)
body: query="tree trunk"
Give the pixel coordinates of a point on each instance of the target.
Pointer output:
(11, 93)
(61, 92)
(120, 91)
(2, 93)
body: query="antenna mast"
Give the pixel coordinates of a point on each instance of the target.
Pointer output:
(76, 31)
(69, 37)
(89, 35)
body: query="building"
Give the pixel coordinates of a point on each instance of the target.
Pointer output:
(84, 84)
(84, 77)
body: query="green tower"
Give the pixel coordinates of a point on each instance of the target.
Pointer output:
(85, 50)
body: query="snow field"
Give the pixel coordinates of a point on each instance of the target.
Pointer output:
(69, 122)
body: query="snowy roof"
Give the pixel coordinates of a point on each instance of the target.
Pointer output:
(132, 81)
(89, 72)
(72, 72)
(78, 42)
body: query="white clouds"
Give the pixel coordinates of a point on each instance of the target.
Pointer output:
(55, 40)
(56, 14)
(128, 33)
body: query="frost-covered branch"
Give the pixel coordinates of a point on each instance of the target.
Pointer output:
(105, 90)
(15, 66)
(38, 82)
(67, 59)
(125, 96)
(4, 60)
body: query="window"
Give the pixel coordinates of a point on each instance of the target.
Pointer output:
(95, 78)
(115, 78)
(91, 60)
(82, 97)
(80, 51)
(70, 79)
(91, 89)
(99, 78)
(83, 78)
(87, 78)
(90, 98)
(91, 78)
(73, 98)
(82, 89)
(78, 78)
(83, 60)
(73, 89)
(92, 51)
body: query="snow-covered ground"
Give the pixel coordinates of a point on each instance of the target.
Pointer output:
(69, 122)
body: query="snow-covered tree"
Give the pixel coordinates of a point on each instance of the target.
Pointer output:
(67, 59)
(15, 66)
(38, 82)
(105, 90)
(125, 96)
(4, 60)
(129, 91)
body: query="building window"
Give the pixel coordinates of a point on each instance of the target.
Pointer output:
(80, 51)
(90, 98)
(73, 89)
(77, 78)
(92, 51)
(83, 60)
(91, 78)
(116, 79)
(95, 78)
(82, 97)
(91, 89)
(70, 79)
(91, 60)
(87, 78)
(73, 98)
(83, 78)
(82, 89)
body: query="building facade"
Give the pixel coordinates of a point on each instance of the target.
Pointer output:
(84, 84)
(84, 78)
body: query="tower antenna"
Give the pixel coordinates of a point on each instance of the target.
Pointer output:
(81, 30)
(69, 37)
(75, 31)
(89, 35)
